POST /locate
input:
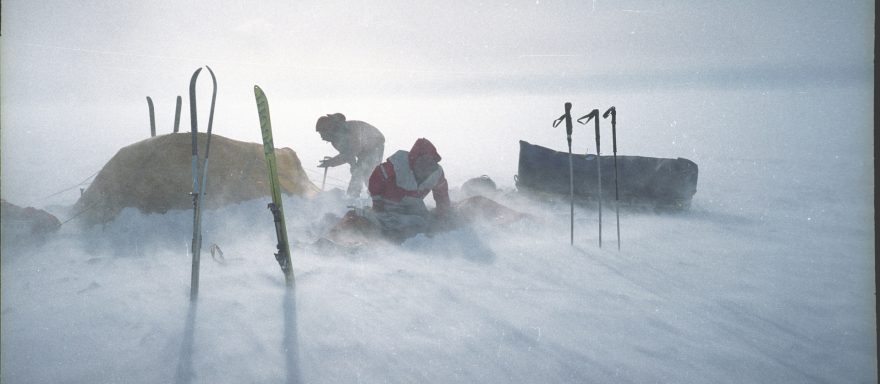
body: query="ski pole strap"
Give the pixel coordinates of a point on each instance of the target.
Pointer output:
(567, 118)
(594, 114)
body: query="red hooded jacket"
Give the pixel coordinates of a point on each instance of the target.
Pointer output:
(393, 183)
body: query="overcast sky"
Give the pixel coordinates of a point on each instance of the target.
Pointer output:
(74, 74)
(394, 44)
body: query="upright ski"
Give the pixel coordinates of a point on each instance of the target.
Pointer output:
(177, 115)
(152, 117)
(198, 172)
(283, 255)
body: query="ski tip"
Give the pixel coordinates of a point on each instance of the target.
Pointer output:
(212, 75)
(195, 74)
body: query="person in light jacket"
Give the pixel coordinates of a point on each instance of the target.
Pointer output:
(360, 145)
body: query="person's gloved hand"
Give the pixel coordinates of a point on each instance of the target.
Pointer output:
(326, 163)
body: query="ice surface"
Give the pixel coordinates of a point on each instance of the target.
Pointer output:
(768, 278)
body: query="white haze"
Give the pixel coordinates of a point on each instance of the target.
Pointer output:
(75, 76)
(768, 278)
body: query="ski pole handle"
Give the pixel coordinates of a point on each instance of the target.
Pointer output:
(613, 112)
(567, 118)
(594, 114)
(568, 127)
(324, 181)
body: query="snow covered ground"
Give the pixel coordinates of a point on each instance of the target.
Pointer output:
(768, 278)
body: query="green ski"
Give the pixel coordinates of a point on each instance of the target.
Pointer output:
(283, 255)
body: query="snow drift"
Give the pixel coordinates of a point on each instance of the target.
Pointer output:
(767, 278)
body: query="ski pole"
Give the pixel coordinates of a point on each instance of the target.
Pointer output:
(325, 174)
(568, 129)
(152, 117)
(594, 115)
(613, 112)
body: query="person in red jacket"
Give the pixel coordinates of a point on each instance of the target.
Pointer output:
(398, 188)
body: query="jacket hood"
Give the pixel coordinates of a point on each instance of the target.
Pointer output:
(421, 147)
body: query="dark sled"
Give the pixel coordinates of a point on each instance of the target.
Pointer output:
(643, 181)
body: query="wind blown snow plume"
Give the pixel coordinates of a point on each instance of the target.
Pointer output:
(768, 277)
(752, 284)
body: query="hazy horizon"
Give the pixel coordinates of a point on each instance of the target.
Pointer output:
(75, 76)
